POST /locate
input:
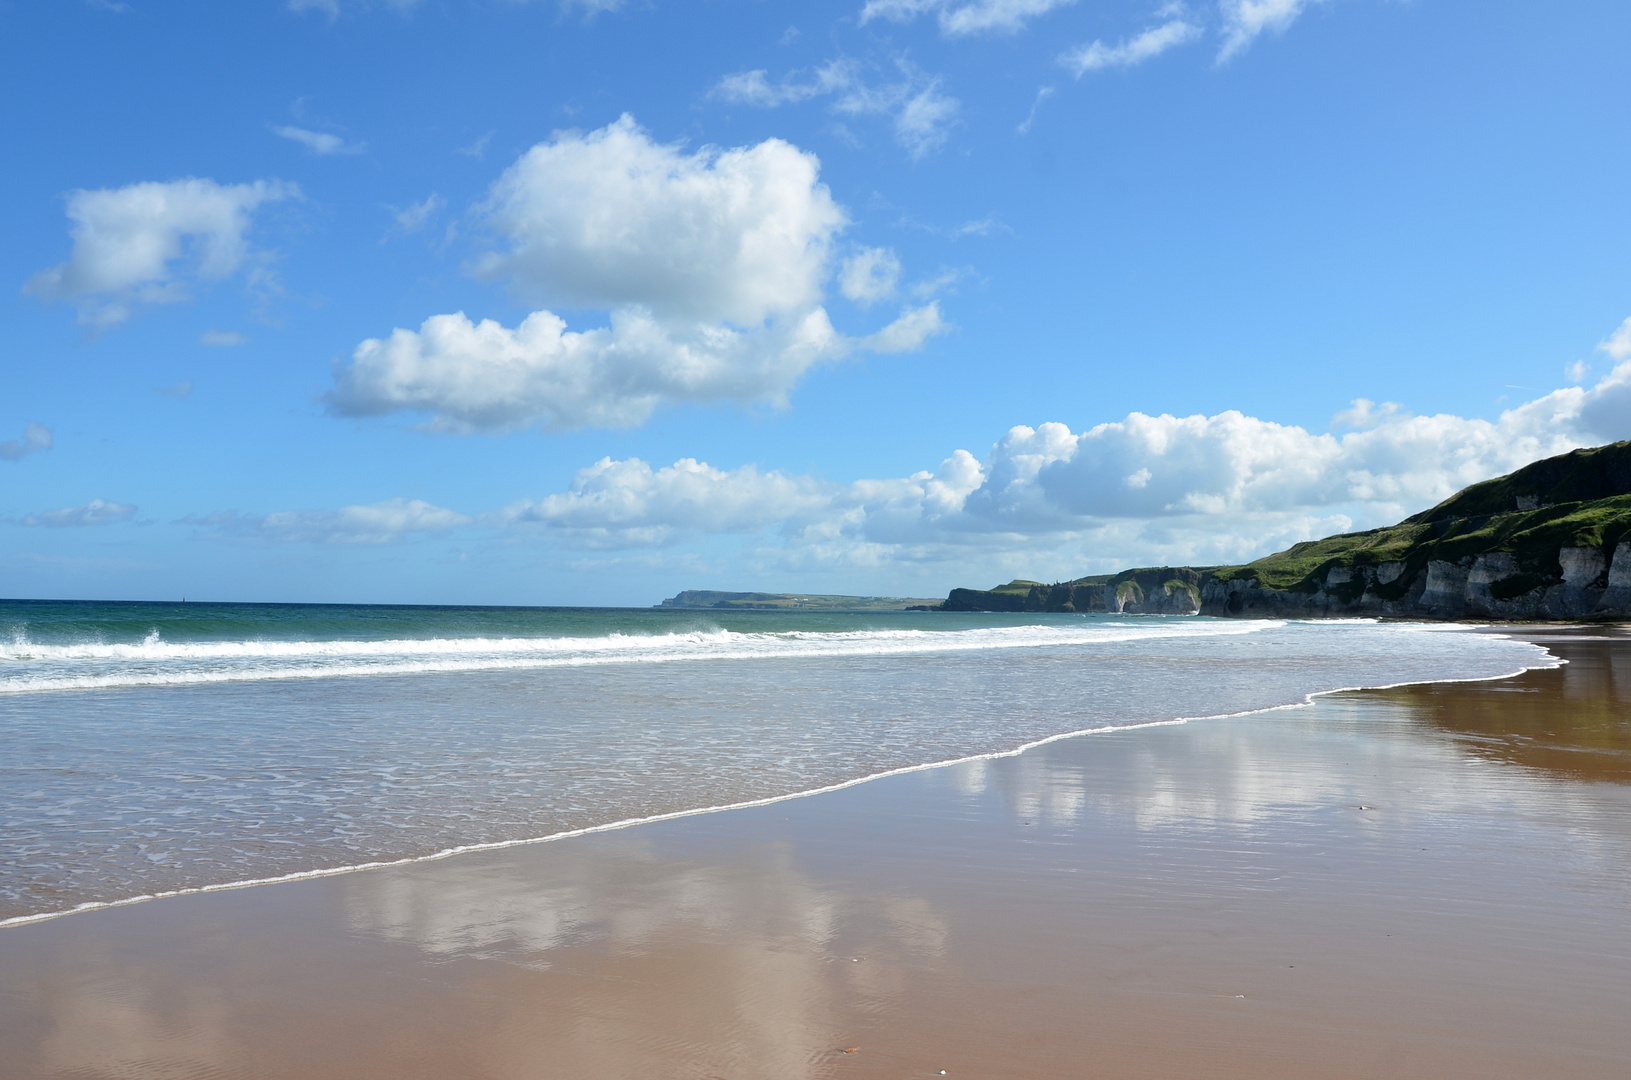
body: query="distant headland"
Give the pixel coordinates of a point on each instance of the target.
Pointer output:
(703, 599)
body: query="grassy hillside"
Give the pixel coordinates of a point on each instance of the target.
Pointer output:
(1579, 499)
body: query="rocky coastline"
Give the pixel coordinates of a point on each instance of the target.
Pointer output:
(1551, 541)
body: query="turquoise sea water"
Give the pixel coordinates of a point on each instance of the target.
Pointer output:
(148, 748)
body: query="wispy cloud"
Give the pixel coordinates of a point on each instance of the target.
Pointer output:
(321, 143)
(1042, 94)
(1096, 56)
(414, 216)
(222, 339)
(961, 18)
(869, 276)
(182, 389)
(985, 226)
(477, 149)
(36, 437)
(1245, 20)
(923, 113)
(95, 512)
(375, 523)
(332, 8)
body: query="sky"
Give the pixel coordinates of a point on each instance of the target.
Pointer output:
(590, 301)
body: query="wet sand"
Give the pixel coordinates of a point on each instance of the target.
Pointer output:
(1425, 882)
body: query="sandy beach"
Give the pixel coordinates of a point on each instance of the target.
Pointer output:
(1432, 881)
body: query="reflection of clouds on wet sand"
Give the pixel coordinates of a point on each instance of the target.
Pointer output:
(1355, 765)
(619, 941)
(600, 958)
(119, 1025)
(525, 904)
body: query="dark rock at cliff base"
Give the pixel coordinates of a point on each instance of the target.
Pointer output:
(1550, 541)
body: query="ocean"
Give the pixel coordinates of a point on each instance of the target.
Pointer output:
(148, 749)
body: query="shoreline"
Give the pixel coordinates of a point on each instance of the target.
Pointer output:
(1308, 700)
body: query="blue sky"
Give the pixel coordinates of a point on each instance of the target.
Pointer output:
(502, 302)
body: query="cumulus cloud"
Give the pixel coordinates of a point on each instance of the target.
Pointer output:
(1618, 345)
(145, 243)
(36, 437)
(629, 502)
(711, 266)
(321, 143)
(374, 523)
(921, 112)
(1140, 490)
(613, 218)
(1097, 56)
(95, 512)
(959, 18)
(1245, 20)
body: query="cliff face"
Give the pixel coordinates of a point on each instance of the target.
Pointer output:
(1164, 590)
(1590, 584)
(1550, 541)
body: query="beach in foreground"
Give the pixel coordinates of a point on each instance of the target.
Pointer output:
(1431, 881)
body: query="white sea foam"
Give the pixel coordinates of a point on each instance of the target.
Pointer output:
(31, 667)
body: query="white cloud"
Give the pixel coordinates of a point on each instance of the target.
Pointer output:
(922, 113)
(1151, 43)
(95, 512)
(140, 244)
(180, 390)
(1618, 345)
(1365, 413)
(869, 275)
(959, 19)
(374, 523)
(612, 218)
(711, 266)
(628, 502)
(908, 332)
(1143, 490)
(320, 143)
(36, 437)
(1244, 20)
(222, 339)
